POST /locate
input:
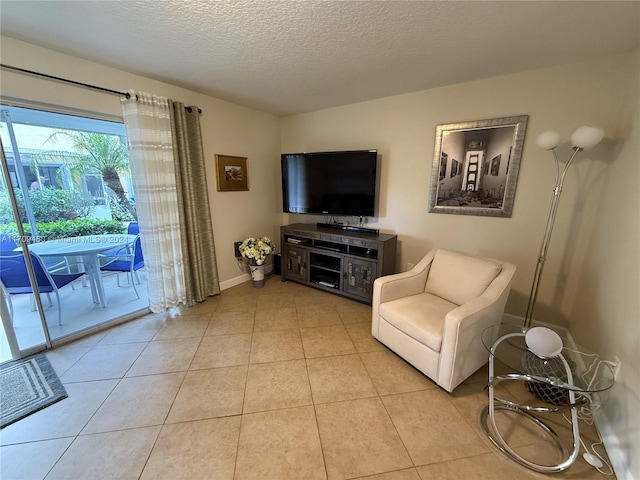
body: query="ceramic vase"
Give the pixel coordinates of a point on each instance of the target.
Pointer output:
(257, 274)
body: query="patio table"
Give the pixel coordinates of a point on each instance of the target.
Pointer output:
(89, 247)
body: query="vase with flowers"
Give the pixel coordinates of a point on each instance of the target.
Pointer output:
(255, 252)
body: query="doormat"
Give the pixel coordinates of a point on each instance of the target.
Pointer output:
(27, 386)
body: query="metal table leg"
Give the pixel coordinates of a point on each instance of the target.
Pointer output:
(488, 420)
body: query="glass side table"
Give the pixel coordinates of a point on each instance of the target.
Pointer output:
(565, 382)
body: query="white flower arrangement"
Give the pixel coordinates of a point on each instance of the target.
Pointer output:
(256, 250)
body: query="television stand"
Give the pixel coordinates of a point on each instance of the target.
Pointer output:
(344, 262)
(351, 228)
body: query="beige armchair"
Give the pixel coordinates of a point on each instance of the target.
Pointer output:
(434, 314)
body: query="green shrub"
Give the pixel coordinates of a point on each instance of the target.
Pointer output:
(48, 205)
(6, 212)
(52, 204)
(66, 228)
(121, 214)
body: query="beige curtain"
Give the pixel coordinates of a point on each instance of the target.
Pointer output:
(199, 252)
(148, 124)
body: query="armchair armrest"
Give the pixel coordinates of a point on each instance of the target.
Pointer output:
(392, 287)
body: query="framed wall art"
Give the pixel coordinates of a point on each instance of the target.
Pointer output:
(232, 174)
(489, 153)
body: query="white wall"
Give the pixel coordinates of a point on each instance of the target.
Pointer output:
(591, 278)
(227, 129)
(606, 313)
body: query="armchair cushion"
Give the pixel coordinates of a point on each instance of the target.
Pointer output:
(459, 278)
(419, 316)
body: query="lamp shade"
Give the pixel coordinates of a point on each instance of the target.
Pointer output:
(548, 140)
(587, 137)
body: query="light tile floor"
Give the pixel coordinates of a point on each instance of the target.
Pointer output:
(283, 382)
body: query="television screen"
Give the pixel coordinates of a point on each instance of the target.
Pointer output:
(329, 183)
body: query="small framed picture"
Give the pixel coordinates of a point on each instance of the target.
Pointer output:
(454, 168)
(495, 165)
(232, 174)
(443, 165)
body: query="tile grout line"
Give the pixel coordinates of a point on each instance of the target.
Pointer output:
(244, 396)
(313, 403)
(395, 427)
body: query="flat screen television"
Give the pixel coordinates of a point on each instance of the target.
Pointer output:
(330, 183)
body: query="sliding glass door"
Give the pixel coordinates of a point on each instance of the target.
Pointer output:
(74, 195)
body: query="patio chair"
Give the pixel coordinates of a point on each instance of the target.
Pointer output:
(8, 246)
(110, 255)
(15, 278)
(127, 259)
(7, 243)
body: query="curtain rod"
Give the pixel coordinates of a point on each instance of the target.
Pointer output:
(73, 82)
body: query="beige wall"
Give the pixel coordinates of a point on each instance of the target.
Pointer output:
(606, 314)
(402, 128)
(226, 129)
(591, 278)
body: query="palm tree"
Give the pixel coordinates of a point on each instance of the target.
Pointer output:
(99, 153)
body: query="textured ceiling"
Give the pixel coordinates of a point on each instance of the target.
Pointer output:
(297, 56)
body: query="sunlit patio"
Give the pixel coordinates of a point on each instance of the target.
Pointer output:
(79, 312)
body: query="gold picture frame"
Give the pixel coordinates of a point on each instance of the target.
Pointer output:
(231, 173)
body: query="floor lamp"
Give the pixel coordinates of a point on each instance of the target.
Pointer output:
(583, 138)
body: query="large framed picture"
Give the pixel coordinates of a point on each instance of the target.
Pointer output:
(232, 174)
(489, 153)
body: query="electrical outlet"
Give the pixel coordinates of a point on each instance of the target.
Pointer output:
(236, 249)
(410, 266)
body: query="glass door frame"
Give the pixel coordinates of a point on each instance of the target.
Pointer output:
(16, 351)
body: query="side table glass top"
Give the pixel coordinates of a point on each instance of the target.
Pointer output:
(589, 372)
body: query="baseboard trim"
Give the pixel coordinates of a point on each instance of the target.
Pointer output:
(610, 440)
(245, 277)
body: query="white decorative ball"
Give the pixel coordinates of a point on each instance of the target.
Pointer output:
(543, 342)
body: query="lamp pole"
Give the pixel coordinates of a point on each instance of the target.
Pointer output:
(551, 218)
(583, 138)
